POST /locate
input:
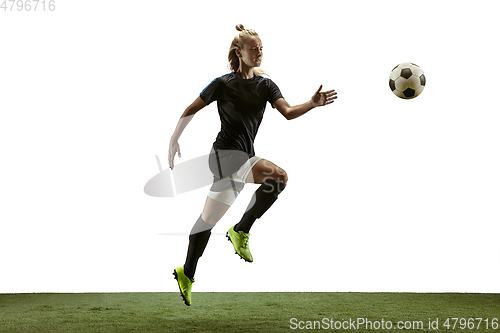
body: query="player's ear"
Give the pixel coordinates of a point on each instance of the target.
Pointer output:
(238, 53)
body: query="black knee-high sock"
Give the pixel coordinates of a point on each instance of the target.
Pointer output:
(198, 240)
(262, 199)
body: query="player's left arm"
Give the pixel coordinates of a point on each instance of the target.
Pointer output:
(318, 99)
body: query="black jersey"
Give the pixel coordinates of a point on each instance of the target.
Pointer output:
(241, 104)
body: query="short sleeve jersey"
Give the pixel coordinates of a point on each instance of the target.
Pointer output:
(241, 104)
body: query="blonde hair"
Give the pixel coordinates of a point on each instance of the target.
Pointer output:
(237, 44)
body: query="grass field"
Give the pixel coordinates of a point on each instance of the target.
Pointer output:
(245, 312)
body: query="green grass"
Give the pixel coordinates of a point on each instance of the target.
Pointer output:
(234, 312)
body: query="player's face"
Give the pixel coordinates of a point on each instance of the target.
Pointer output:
(251, 53)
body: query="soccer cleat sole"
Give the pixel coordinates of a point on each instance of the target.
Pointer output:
(236, 252)
(182, 295)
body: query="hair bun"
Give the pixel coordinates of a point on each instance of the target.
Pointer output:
(240, 27)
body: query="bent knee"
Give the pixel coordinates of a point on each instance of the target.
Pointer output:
(283, 176)
(280, 175)
(268, 170)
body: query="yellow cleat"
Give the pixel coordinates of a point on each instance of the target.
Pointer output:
(239, 239)
(185, 284)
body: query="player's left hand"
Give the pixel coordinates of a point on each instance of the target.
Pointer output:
(323, 98)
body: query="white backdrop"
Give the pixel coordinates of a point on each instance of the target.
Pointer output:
(384, 194)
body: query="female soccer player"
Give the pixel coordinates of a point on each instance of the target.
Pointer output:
(241, 100)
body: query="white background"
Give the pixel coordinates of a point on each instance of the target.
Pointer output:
(384, 194)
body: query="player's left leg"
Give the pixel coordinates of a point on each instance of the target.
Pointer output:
(273, 181)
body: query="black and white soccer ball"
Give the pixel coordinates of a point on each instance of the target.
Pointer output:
(407, 80)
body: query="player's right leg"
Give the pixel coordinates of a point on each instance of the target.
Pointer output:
(221, 196)
(198, 240)
(201, 231)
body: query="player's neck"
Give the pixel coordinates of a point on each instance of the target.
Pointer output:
(245, 72)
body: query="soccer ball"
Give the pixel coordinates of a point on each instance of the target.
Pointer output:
(407, 80)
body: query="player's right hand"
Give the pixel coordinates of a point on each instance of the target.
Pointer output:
(173, 148)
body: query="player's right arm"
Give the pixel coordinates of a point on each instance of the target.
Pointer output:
(186, 117)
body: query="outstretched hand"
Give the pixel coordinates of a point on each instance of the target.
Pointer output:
(173, 148)
(323, 98)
